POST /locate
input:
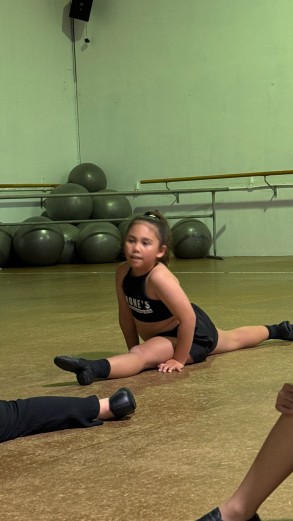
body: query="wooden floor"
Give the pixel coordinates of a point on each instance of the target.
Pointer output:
(194, 434)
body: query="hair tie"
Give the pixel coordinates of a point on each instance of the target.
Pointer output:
(152, 215)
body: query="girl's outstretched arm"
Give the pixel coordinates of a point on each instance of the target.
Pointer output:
(126, 320)
(167, 288)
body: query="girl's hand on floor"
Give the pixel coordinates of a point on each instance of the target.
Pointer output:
(170, 365)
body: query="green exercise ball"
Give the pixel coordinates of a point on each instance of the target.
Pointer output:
(70, 234)
(72, 207)
(5, 243)
(191, 239)
(89, 175)
(123, 228)
(111, 205)
(98, 242)
(38, 244)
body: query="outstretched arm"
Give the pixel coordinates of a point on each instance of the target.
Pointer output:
(167, 288)
(126, 320)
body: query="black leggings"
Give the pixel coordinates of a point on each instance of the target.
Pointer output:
(46, 414)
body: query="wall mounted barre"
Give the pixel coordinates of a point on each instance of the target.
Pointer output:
(135, 193)
(216, 176)
(29, 185)
(176, 192)
(213, 191)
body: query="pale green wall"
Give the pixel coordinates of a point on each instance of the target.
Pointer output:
(165, 88)
(38, 141)
(195, 87)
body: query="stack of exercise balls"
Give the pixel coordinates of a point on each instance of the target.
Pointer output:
(99, 242)
(97, 220)
(82, 238)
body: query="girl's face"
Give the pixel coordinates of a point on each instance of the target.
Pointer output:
(142, 247)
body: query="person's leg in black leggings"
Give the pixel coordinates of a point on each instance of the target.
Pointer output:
(40, 414)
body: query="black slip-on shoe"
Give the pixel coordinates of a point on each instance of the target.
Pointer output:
(215, 515)
(122, 402)
(79, 366)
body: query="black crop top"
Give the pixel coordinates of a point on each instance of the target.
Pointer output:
(142, 307)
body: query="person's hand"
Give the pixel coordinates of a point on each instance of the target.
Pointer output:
(284, 403)
(170, 365)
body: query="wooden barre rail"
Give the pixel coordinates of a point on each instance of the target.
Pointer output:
(29, 185)
(219, 176)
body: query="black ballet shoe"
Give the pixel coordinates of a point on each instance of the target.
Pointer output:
(122, 403)
(79, 366)
(215, 515)
(286, 330)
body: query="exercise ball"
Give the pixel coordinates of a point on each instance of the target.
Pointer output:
(73, 207)
(111, 205)
(5, 244)
(191, 239)
(70, 234)
(38, 244)
(123, 228)
(80, 226)
(91, 176)
(98, 242)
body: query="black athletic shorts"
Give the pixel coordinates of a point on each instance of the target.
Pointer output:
(45, 414)
(205, 336)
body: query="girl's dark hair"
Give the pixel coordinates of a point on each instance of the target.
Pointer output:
(164, 234)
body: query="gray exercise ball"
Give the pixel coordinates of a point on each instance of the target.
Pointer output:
(73, 207)
(98, 242)
(70, 234)
(123, 228)
(80, 226)
(38, 244)
(89, 175)
(191, 239)
(5, 244)
(111, 205)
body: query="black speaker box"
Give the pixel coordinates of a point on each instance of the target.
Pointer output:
(81, 9)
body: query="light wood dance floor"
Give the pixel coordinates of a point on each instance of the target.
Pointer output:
(194, 434)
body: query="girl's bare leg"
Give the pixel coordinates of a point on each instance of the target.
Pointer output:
(247, 336)
(251, 336)
(144, 356)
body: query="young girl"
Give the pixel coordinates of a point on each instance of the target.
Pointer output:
(41, 414)
(153, 307)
